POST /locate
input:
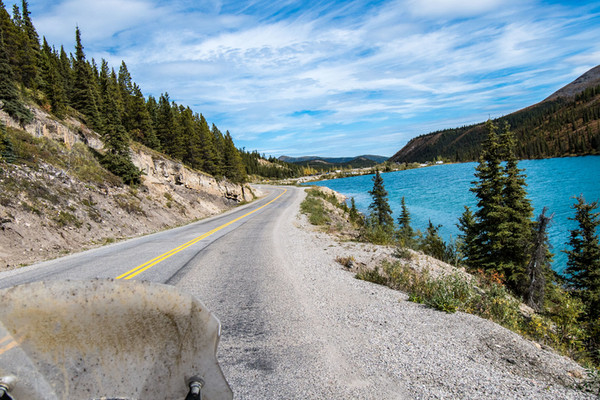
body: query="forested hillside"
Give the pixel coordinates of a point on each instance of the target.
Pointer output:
(565, 124)
(109, 102)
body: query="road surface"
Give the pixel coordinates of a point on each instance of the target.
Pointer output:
(295, 325)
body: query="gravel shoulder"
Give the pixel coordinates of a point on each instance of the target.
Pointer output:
(296, 324)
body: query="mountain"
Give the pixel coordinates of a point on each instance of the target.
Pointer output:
(318, 162)
(566, 123)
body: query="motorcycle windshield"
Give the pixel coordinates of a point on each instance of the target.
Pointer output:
(107, 339)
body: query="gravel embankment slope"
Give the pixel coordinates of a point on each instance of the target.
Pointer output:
(296, 325)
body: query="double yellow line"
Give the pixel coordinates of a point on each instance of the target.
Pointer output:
(149, 264)
(8, 342)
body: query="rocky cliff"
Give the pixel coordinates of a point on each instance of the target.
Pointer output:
(57, 199)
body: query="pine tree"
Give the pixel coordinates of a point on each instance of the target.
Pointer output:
(538, 268)
(82, 96)
(406, 234)
(353, 214)
(117, 158)
(30, 50)
(140, 121)
(233, 166)
(432, 244)
(583, 264)
(516, 229)
(9, 95)
(52, 85)
(381, 213)
(208, 151)
(164, 124)
(490, 213)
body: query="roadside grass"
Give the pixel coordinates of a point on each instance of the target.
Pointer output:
(313, 207)
(486, 296)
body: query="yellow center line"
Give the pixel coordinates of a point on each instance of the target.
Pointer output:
(7, 343)
(149, 264)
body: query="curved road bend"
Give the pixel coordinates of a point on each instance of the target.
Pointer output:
(158, 257)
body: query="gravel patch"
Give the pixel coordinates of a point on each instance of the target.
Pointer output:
(390, 348)
(298, 325)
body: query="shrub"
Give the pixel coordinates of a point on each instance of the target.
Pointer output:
(313, 207)
(372, 275)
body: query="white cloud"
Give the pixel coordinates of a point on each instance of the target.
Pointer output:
(400, 65)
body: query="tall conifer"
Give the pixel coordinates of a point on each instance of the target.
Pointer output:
(583, 265)
(381, 213)
(82, 96)
(9, 95)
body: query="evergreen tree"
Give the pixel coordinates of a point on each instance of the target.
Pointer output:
(381, 213)
(11, 36)
(219, 143)
(233, 166)
(164, 124)
(31, 49)
(583, 265)
(140, 121)
(190, 133)
(208, 152)
(538, 268)
(82, 96)
(432, 244)
(117, 158)
(406, 234)
(52, 85)
(490, 213)
(9, 95)
(354, 214)
(516, 229)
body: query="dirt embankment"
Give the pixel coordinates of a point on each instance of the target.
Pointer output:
(60, 200)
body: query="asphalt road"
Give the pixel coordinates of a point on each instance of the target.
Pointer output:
(162, 257)
(295, 325)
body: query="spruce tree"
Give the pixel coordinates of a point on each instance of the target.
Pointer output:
(490, 213)
(140, 121)
(52, 84)
(208, 151)
(233, 166)
(381, 213)
(516, 229)
(432, 244)
(164, 123)
(117, 158)
(82, 96)
(406, 234)
(583, 264)
(9, 95)
(538, 268)
(30, 50)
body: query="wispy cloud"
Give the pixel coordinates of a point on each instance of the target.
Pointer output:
(300, 77)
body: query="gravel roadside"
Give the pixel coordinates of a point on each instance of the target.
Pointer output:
(310, 330)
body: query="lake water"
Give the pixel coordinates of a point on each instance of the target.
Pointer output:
(439, 193)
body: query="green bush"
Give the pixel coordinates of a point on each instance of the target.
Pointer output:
(313, 207)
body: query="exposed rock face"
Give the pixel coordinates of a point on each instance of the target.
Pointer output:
(47, 211)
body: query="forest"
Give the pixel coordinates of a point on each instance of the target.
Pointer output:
(553, 128)
(112, 104)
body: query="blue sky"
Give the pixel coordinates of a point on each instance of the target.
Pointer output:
(336, 78)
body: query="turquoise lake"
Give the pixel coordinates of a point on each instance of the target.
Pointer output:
(439, 193)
